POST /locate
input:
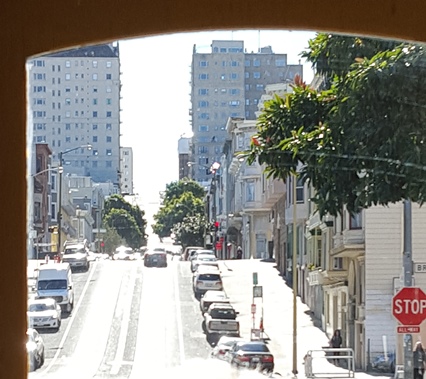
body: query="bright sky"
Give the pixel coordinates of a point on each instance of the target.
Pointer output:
(156, 96)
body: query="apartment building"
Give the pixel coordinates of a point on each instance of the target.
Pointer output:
(184, 146)
(74, 101)
(228, 82)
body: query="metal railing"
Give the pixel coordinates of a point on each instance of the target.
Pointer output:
(338, 355)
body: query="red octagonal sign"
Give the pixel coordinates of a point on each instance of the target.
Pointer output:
(409, 306)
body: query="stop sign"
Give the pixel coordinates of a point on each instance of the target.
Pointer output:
(409, 306)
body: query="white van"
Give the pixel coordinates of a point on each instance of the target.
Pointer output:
(55, 281)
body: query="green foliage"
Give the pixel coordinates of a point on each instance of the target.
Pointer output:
(361, 142)
(127, 220)
(191, 230)
(181, 199)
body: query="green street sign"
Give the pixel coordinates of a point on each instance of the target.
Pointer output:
(255, 278)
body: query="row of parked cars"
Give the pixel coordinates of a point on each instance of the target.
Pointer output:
(221, 324)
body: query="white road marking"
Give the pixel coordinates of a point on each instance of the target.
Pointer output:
(127, 305)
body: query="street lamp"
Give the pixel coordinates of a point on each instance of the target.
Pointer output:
(60, 156)
(214, 168)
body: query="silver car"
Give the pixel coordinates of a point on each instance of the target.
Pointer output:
(44, 313)
(35, 349)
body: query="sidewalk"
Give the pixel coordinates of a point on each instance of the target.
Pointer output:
(278, 317)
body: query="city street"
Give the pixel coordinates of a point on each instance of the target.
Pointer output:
(130, 321)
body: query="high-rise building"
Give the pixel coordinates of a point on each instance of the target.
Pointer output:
(126, 170)
(74, 100)
(228, 82)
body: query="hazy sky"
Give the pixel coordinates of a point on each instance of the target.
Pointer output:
(156, 96)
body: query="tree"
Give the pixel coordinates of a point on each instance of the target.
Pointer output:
(117, 202)
(180, 199)
(359, 141)
(191, 231)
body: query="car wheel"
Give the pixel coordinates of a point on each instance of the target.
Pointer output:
(203, 325)
(42, 359)
(69, 308)
(33, 363)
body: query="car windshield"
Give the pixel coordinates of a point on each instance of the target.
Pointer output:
(212, 277)
(74, 250)
(57, 284)
(223, 313)
(39, 307)
(254, 347)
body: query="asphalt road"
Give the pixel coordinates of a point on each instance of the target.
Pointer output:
(130, 321)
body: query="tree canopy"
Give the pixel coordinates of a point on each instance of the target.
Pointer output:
(361, 139)
(182, 211)
(126, 221)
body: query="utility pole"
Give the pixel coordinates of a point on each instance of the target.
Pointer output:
(58, 249)
(294, 275)
(408, 282)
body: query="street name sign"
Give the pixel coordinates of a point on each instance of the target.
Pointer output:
(420, 267)
(409, 306)
(408, 329)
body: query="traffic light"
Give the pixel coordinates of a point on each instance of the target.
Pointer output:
(216, 226)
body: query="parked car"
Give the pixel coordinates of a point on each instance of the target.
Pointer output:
(76, 253)
(221, 319)
(44, 313)
(211, 297)
(204, 259)
(224, 345)
(251, 355)
(35, 349)
(207, 279)
(124, 253)
(185, 254)
(193, 254)
(155, 258)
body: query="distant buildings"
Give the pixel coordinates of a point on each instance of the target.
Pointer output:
(74, 100)
(228, 82)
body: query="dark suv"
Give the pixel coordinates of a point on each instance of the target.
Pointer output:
(155, 259)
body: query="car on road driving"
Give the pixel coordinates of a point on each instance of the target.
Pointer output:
(155, 258)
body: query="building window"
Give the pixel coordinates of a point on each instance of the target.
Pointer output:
(203, 104)
(256, 75)
(234, 103)
(95, 76)
(234, 63)
(95, 101)
(67, 126)
(109, 139)
(203, 128)
(109, 114)
(300, 195)
(203, 76)
(108, 151)
(337, 263)
(250, 192)
(203, 91)
(259, 87)
(247, 75)
(204, 116)
(233, 75)
(67, 76)
(222, 77)
(108, 164)
(109, 101)
(67, 64)
(355, 221)
(95, 126)
(108, 126)
(67, 139)
(108, 76)
(109, 89)
(204, 63)
(94, 152)
(95, 139)
(234, 91)
(247, 63)
(256, 62)
(203, 150)
(94, 64)
(94, 114)
(280, 62)
(108, 64)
